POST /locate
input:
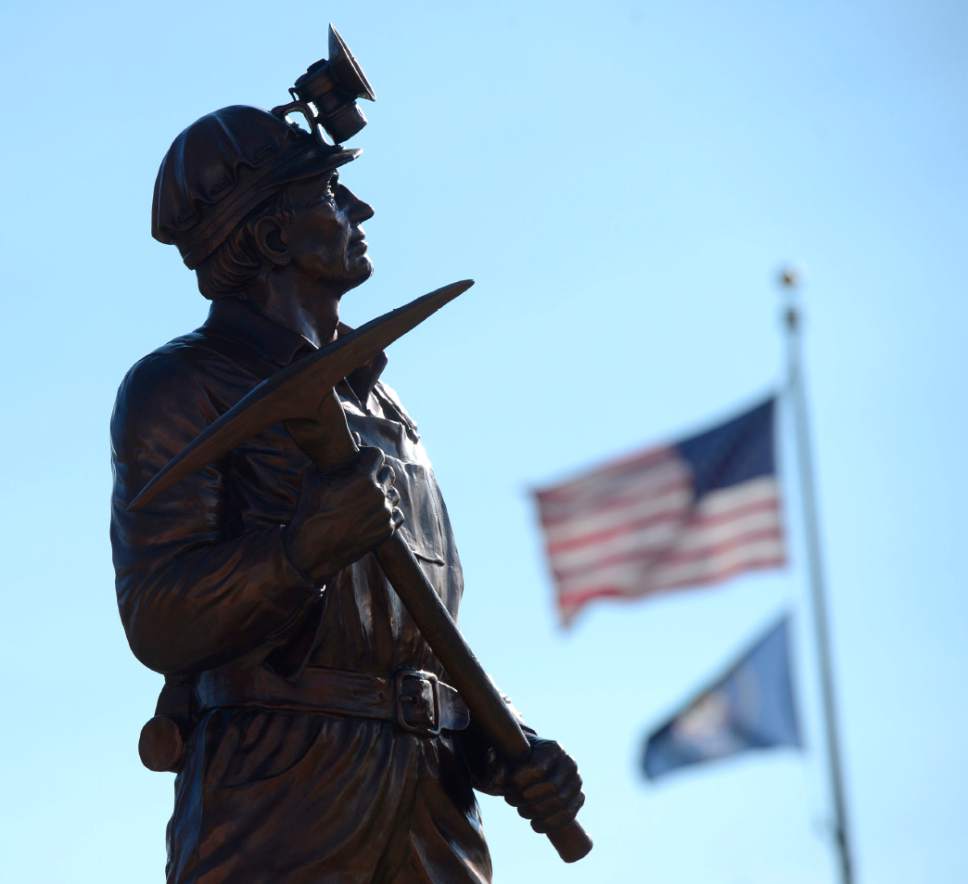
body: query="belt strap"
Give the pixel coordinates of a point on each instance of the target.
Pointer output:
(416, 700)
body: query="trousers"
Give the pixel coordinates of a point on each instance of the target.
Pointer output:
(278, 797)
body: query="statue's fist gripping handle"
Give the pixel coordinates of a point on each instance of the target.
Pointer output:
(329, 443)
(342, 514)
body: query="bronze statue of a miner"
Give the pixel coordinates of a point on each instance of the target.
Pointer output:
(282, 550)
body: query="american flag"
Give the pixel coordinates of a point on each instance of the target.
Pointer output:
(687, 514)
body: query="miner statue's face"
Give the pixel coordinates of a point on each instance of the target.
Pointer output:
(325, 240)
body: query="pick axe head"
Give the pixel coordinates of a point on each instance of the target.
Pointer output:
(295, 392)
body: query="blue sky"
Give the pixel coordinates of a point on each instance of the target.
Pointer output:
(622, 180)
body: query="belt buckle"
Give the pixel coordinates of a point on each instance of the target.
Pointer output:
(417, 702)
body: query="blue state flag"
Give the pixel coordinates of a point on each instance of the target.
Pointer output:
(751, 707)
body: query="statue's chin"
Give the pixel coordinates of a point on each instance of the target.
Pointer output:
(363, 271)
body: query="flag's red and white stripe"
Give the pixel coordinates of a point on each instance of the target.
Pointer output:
(633, 528)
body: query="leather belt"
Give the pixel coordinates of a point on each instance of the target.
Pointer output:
(415, 699)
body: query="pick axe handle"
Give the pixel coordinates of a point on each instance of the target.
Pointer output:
(335, 446)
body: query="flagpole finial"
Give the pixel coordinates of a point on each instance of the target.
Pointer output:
(788, 278)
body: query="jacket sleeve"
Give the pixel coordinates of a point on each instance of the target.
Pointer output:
(190, 596)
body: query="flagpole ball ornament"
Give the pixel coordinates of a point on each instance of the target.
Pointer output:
(789, 277)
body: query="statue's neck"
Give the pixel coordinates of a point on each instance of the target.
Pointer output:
(312, 313)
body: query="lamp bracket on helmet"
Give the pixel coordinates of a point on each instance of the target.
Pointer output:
(326, 94)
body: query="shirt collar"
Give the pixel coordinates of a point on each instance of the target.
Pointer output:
(237, 319)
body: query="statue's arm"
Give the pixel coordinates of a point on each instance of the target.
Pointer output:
(190, 597)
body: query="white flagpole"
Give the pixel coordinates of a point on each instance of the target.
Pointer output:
(792, 321)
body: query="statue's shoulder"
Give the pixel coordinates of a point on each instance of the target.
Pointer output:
(163, 371)
(170, 383)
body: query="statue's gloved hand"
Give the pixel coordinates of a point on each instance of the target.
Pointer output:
(342, 515)
(545, 787)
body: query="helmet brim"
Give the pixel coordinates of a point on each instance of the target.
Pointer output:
(308, 161)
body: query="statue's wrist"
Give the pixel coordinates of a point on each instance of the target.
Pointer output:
(310, 572)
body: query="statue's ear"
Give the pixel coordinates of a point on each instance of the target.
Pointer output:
(270, 239)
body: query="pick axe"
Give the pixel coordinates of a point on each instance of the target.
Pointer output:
(319, 428)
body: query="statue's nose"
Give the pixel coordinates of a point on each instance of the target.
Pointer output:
(358, 210)
(363, 211)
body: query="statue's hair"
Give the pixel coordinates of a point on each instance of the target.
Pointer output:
(237, 262)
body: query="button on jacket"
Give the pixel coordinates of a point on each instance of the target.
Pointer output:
(204, 583)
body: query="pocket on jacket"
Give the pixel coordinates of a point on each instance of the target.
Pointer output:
(421, 506)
